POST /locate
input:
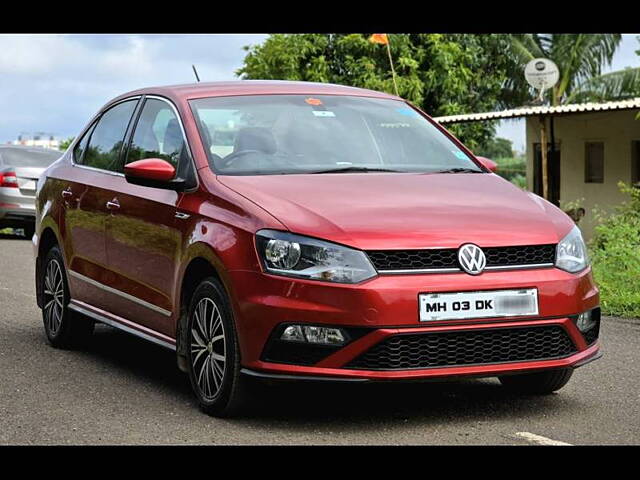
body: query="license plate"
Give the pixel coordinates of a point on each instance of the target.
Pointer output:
(461, 305)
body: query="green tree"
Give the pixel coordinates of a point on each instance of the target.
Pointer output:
(496, 148)
(442, 74)
(64, 144)
(580, 58)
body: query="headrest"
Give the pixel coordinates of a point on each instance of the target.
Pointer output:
(172, 137)
(255, 138)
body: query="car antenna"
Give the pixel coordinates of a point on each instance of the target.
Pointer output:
(195, 72)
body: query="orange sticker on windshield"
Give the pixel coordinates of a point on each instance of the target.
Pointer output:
(313, 101)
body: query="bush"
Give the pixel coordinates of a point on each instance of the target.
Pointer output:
(615, 255)
(513, 169)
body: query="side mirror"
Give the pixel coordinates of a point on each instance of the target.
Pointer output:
(153, 172)
(488, 163)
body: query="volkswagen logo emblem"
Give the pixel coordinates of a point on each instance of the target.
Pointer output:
(471, 259)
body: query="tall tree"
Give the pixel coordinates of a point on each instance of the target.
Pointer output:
(442, 74)
(580, 59)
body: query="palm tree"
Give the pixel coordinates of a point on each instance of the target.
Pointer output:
(580, 58)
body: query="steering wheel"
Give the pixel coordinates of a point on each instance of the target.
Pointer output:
(229, 159)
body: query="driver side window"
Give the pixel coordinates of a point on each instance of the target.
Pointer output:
(158, 134)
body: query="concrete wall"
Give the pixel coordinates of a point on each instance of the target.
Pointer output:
(616, 129)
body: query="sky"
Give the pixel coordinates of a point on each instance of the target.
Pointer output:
(56, 83)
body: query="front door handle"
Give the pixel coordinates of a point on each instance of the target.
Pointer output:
(113, 205)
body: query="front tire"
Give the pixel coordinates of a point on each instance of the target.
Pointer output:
(213, 353)
(64, 328)
(538, 383)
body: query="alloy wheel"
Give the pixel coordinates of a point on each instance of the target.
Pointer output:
(53, 297)
(208, 349)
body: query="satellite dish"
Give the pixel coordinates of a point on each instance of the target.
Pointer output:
(541, 74)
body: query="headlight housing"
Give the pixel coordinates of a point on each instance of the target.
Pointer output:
(571, 252)
(298, 256)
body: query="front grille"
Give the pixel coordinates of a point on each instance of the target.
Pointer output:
(466, 347)
(441, 258)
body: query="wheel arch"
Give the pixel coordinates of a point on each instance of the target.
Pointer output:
(202, 262)
(46, 240)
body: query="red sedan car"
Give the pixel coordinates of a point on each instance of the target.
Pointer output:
(291, 230)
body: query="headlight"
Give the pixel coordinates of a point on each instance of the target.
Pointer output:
(571, 253)
(303, 257)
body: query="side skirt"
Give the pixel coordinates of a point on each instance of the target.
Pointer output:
(122, 324)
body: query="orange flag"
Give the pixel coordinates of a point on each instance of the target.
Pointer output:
(380, 38)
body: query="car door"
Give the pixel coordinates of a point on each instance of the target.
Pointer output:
(143, 235)
(86, 190)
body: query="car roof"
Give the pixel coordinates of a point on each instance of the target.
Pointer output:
(190, 91)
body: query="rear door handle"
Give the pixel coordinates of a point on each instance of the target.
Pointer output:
(113, 205)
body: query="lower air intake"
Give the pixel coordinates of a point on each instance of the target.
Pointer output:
(466, 347)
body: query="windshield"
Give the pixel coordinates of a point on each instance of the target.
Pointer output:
(285, 134)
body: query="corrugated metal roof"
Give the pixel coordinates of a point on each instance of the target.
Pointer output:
(542, 110)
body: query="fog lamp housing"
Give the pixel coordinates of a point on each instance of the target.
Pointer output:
(589, 324)
(315, 335)
(586, 321)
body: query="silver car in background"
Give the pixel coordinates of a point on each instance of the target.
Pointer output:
(20, 168)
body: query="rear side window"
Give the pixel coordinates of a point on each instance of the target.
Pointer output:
(105, 142)
(81, 146)
(158, 134)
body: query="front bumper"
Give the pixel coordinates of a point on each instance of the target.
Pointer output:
(388, 306)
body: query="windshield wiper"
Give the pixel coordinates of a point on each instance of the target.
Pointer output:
(356, 169)
(459, 170)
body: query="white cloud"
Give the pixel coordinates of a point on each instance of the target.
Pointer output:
(35, 54)
(55, 83)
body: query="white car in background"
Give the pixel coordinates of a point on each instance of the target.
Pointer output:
(20, 168)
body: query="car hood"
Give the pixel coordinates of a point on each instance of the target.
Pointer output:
(391, 211)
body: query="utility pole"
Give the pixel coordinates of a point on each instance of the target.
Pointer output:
(542, 74)
(545, 164)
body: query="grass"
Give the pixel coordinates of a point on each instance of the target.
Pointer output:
(615, 257)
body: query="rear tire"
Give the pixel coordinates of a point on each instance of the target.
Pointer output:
(213, 353)
(64, 328)
(538, 383)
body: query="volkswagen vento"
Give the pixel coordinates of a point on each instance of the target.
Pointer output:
(303, 231)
